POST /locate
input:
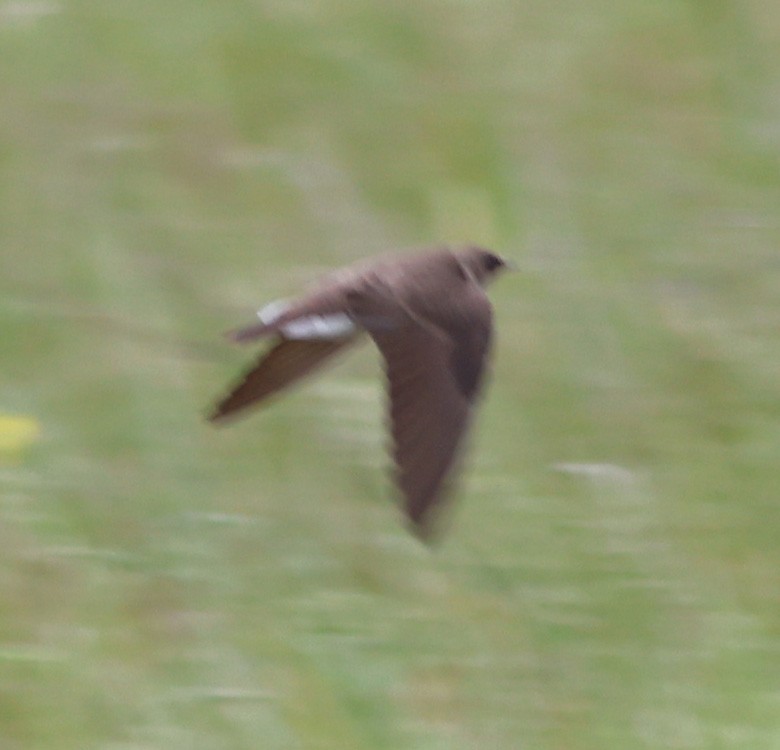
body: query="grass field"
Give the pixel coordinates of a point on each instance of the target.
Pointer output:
(611, 575)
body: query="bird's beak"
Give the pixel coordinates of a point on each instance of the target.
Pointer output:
(511, 265)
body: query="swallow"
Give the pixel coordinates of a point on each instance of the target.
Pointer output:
(432, 322)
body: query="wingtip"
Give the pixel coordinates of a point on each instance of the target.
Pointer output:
(218, 415)
(421, 534)
(214, 417)
(422, 528)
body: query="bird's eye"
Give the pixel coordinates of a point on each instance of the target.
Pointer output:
(492, 262)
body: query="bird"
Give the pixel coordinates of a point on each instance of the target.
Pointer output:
(430, 317)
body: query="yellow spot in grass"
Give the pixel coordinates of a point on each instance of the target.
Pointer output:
(17, 434)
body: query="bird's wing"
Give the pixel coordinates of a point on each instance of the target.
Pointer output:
(434, 377)
(283, 365)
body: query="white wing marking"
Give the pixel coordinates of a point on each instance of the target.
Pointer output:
(272, 311)
(328, 327)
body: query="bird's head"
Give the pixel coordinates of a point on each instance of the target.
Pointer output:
(483, 264)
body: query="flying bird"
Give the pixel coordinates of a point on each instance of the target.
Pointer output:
(432, 322)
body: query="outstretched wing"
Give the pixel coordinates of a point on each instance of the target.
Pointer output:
(434, 377)
(309, 331)
(285, 364)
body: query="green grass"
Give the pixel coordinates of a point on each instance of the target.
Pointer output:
(610, 577)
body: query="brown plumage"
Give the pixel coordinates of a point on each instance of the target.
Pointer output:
(432, 322)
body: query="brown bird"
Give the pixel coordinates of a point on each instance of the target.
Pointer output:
(432, 321)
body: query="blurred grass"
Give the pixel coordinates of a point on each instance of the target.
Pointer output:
(610, 579)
